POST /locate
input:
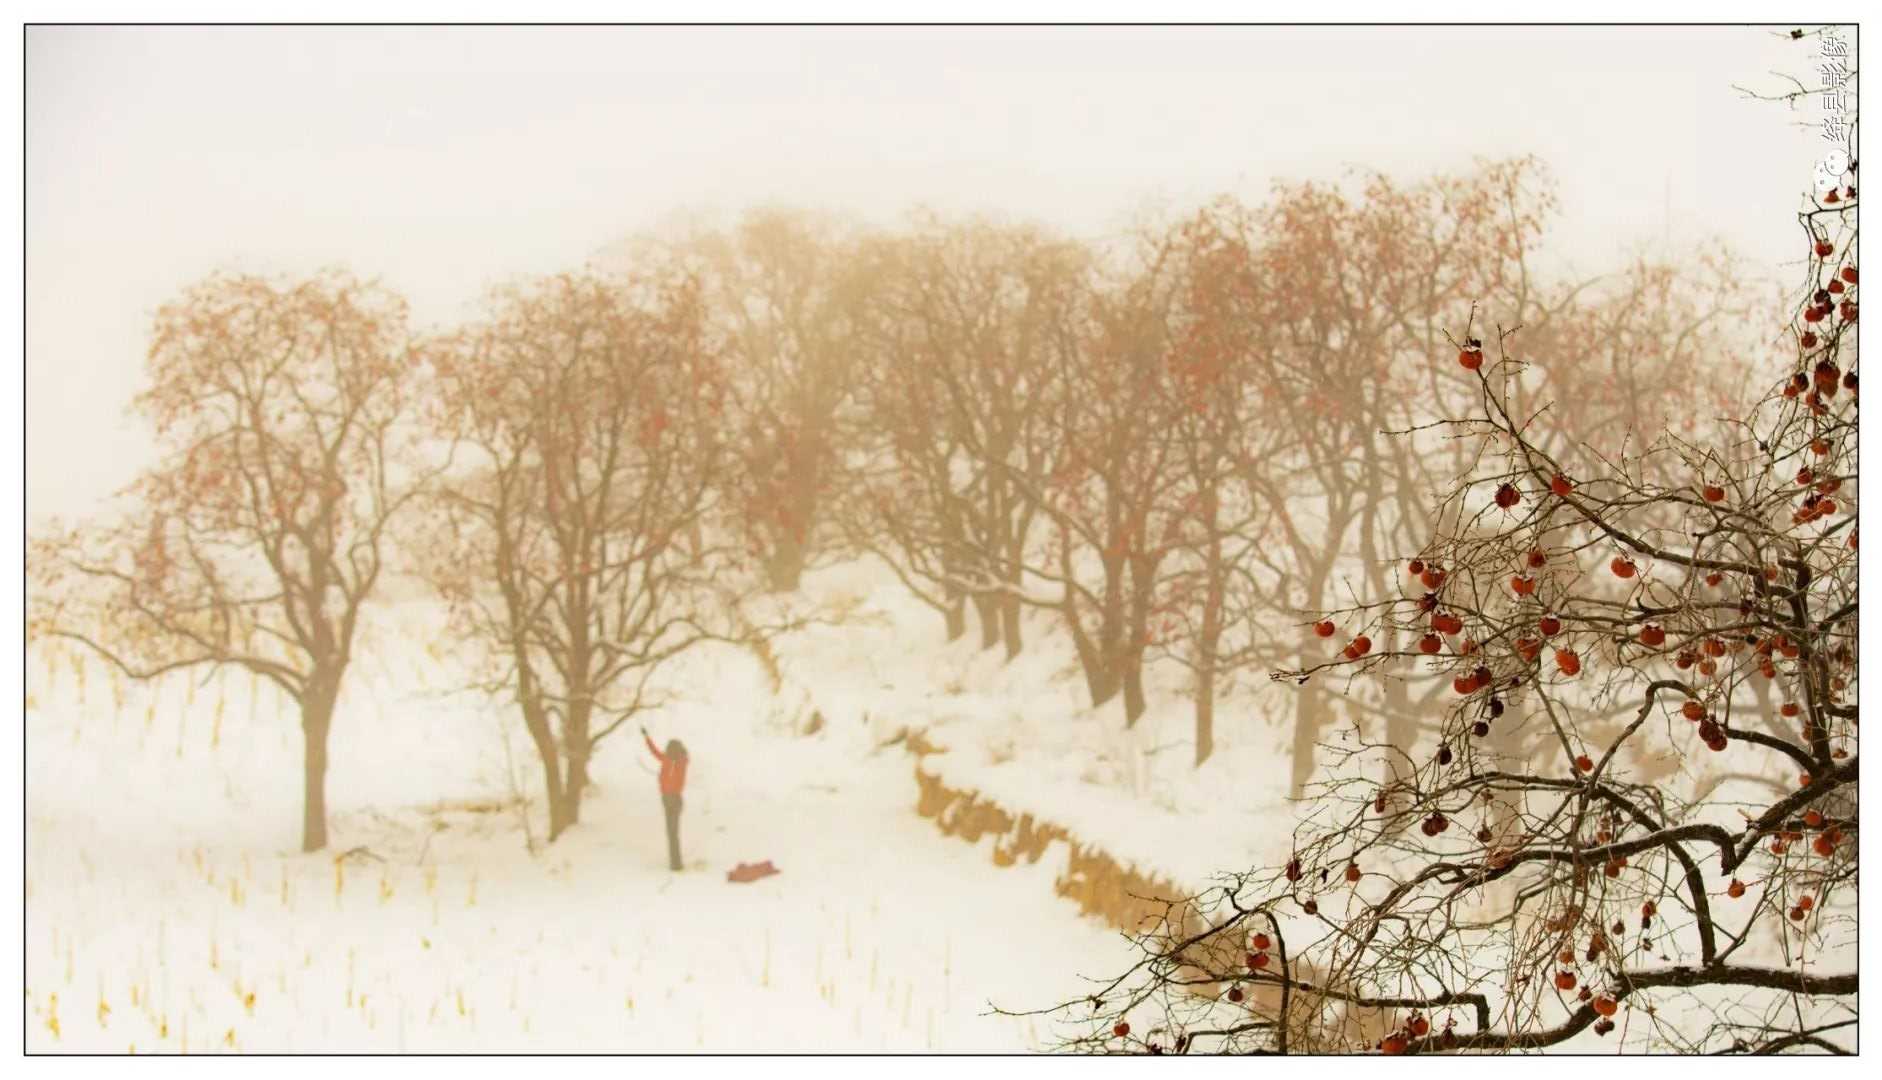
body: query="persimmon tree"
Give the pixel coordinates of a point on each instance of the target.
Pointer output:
(1294, 355)
(1663, 843)
(259, 538)
(1218, 614)
(1110, 509)
(1350, 290)
(1347, 296)
(779, 288)
(578, 539)
(905, 505)
(960, 331)
(1203, 396)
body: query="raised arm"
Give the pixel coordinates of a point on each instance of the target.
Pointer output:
(651, 747)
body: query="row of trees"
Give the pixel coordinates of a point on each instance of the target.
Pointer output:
(1177, 445)
(1639, 808)
(554, 472)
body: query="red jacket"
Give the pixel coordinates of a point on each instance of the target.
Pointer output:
(672, 769)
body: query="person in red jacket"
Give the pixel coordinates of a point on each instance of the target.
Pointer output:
(672, 782)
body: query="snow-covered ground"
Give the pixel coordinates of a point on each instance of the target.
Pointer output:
(167, 908)
(1023, 733)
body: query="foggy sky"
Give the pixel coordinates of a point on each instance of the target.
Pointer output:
(447, 160)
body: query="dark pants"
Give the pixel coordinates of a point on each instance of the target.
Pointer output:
(672, 804)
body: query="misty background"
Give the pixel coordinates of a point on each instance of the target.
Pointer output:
(931, 499)
(446, 160)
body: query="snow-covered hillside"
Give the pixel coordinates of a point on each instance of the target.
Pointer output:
(167, 908)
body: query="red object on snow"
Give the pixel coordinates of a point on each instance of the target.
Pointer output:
(672, 768)
(747, 872)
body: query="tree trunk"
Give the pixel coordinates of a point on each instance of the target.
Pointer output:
(1098, 658)
(1143, 576)
(1134, 704)
(956, 616)
(987, 606)
(792, 551)
(1209, 635)
(1099, 665)
(536, 723)
(552, 785)
(1009, 624)
(576, 747)
(558, 803)
(1401, 725)
(572, 789)
(316, 722)
(1205, 714)
(949, 553)
(1309, 713)
(1307, 719)
(785, 569)
(1207, 644)
(1103, 683)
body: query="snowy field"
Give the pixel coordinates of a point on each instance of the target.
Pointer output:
(168, 909)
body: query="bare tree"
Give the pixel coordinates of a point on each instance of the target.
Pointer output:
(779, 286)
(1107, 496)
(1346, 295)
(962, 326)
(1211, 394)
(584, 547)
(258, 540)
